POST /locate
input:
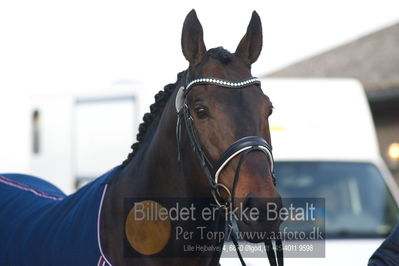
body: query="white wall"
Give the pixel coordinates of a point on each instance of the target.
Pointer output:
(103, 131)
(14, 132)
(54, 161)
(76, 139)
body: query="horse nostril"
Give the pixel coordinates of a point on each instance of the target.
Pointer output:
(251, 204)
(262, 208)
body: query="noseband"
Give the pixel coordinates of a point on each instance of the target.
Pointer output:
(241, 147)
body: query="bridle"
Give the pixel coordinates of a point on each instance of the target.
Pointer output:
(244, 144)
(240, 148)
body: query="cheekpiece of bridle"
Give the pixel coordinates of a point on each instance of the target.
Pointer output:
(239, 148)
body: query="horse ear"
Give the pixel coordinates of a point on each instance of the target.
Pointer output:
(251, 44)
(192, 40)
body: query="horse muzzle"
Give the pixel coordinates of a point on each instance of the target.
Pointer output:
(264, 223)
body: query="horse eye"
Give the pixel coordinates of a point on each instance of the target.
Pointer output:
(201, 112)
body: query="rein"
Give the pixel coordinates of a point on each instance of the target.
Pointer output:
(241, 147)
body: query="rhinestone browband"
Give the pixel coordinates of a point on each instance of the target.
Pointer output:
(212, 81)
(222, 83)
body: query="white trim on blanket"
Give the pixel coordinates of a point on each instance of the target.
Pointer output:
(101, 261)
(42, 194)
(98, 228)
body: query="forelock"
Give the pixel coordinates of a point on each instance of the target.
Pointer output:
(220, 54)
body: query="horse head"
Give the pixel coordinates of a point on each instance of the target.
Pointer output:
(222, 108)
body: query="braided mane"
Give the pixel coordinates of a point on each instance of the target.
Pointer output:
(161, 98)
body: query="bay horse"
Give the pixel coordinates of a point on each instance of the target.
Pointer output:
(206, 137)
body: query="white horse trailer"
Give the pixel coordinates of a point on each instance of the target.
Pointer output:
(325, 146)
(68, 139)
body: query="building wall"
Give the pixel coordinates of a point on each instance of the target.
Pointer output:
(15, 139)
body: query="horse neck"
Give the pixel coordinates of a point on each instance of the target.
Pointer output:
(154, 172)
(155, 169)
(155, 166)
